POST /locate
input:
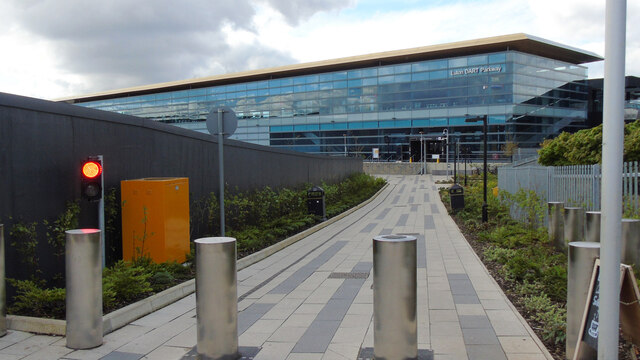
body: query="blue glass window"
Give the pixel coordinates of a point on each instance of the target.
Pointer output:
(421, 122)
(497, 58)
(401, 69)
(385, 70)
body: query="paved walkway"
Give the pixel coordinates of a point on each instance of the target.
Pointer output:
(314, 299)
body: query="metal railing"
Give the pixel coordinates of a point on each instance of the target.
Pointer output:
(578, 185)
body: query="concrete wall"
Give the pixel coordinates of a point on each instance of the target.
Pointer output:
(43, 143)
(405, 168)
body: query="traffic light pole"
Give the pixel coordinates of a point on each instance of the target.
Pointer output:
(101, 214)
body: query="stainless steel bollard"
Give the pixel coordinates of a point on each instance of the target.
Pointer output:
(217, 298)
(573, 224)
(555, 211)
(592, 228)
(395, 334)
(582, 256)
(83, 265)
(631, 241)
(3, 287)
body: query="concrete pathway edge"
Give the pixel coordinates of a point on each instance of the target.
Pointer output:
(123, 316)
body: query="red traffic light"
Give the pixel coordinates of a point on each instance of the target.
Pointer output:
(91, 169)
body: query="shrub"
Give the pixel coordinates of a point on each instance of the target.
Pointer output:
(127, 281)
(33, 300)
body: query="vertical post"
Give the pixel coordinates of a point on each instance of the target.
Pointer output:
(556, 222)
(455, 163)
(631, 241)
(485, 210)
(83, 272)
(573, 224)
(395, 334)
(466, 158)
(582, 256)
(103, 245)
(216, 298)
(592, 227)
(221, 169)
(3, 287)
(612, 150)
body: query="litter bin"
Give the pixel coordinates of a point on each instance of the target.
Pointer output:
(315, 202)
(456, 193)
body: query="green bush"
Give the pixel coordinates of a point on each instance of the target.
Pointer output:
(33, 300)
(127, 281)
(551, 316)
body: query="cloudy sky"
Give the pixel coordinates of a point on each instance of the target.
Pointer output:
(57, 48)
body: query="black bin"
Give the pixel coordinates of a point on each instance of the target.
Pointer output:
(456, 193)
(315, 202)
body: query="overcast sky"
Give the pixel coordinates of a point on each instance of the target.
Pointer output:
(57, 48)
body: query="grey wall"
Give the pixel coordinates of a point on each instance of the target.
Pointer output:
(43, 143)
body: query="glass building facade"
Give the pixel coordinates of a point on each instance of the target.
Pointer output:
(351, 111)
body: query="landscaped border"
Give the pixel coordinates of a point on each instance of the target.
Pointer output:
(123, 316)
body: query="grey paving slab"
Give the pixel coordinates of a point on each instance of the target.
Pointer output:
(402, 221)
(434, 209)
(251, 315)
(485, 352)
(428, 222)
(383, 214)
(426, 197)
(474, 322)
(317, 337)
(395, 200)
(369, 227)
(118, 355)
(480, 336)
(303, 273)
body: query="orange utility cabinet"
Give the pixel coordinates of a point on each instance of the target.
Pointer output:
(155, 218)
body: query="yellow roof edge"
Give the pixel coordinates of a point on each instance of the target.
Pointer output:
(577, 55)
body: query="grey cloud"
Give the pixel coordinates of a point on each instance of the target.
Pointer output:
(122, 43)
(297, 10)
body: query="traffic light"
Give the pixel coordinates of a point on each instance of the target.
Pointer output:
(92, 179)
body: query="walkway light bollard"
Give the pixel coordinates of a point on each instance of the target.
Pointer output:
(555, 211)
(3, 287)
(582, 256)
(592, 226)
(216, 298)
(573, 224)
(631, 241)
(395, 334)
(83, 266)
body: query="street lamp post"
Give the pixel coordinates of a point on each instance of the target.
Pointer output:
(345, 144)
(483, 118)
(445, 132)
(421, 154)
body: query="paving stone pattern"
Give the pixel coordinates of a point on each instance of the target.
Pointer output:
(314, 300)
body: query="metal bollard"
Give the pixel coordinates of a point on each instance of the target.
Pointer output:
(573, 224)
(217, 298)
(555, 211)
(395, 334)
(592, 228)
(582, 256)
(631, 241)
(83, 266)
(3, 287)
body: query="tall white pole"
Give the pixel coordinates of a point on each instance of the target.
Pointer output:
(612, 150)
(221, 169)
